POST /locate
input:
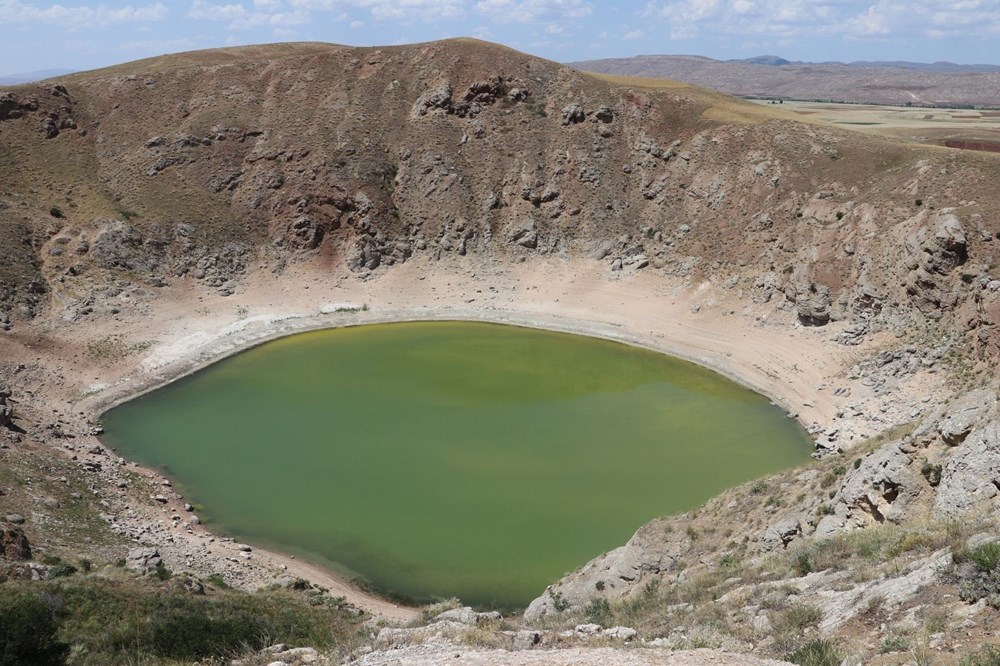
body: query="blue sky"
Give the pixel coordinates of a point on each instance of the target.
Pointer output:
(76, 34)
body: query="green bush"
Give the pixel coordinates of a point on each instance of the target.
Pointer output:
(816, 653)
(62, 570)
(28, 631)
(799, 617)
(893, 644)
(977, 572)
(988, 655)
(599, 612)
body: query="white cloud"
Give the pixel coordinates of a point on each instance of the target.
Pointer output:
(405, 10)
(158, 45)
(859, 19)
(15, 11)
(389, 10)
(532, 11)
(204, 10)
(634, 34)
(357, 24)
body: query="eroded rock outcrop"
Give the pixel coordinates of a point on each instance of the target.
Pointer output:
(654, 549)
(14, 544)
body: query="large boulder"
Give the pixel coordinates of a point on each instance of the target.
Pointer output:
(881, 487)
(438, 99)
(963, 415)
(6, 409)
(812, 305)
(653, 549)
(970, 479)
(143, 560)
(14, 544)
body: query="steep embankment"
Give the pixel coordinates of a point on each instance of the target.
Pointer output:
(165, 212)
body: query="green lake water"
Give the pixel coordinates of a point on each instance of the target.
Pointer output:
(440, 459)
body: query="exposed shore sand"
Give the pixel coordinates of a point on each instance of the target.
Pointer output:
(760, 346)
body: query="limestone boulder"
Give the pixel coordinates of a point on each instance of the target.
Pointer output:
(965, 413)
(970, 478)
(881, 488)
(143, 560)
(653, 549)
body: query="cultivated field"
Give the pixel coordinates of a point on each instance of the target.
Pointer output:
(956, 128)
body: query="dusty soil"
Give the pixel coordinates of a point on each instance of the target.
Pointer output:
(428, 655)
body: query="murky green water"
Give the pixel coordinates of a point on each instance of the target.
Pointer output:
(441, 459)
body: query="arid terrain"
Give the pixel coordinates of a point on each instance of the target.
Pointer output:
(865, 83)
(966, 129)
(162, 214)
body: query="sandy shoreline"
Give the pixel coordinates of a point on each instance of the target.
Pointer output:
(760, 348)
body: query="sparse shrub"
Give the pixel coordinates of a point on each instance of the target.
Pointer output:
(803, 563)
(161, 572)
(840, 215)
(775, 501)
(931, 472)
(988, 655)
(824, 510)
(599, 612)
(56, 213)
(857, 463)
(114, 347)
(977, 572)
(894, 644)
(758, 488)
(832, 476)
(599, 586)
(728, 561)
(918, 203)
(935, 620)
(86, 565)
(985, 557)
(691, 532)
(559, 602)
(818, 652)
(62, 570)
(798, 617)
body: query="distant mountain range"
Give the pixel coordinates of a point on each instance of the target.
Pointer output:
(28, 77)
(891, 82)
(943, 67)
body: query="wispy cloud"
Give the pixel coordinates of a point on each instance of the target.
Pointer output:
(15, 11)
(387, 10)
(858, 19)
(532, 11)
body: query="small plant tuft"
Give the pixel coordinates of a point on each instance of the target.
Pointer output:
(987, 655)
(818, 652)
(894, 643)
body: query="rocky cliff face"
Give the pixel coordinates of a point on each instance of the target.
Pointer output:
(195, 169)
